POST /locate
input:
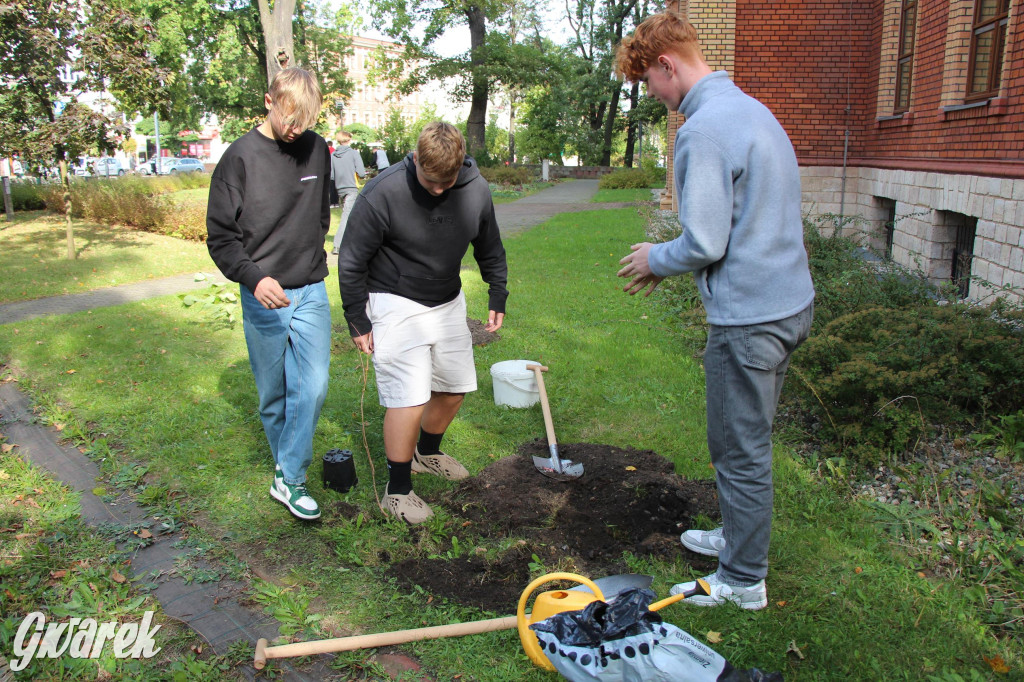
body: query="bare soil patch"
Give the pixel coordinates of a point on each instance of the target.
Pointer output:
(627, 501)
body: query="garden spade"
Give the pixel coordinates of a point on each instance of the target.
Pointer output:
(553, 466)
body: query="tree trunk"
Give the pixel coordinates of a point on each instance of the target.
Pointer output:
(511, 129)
(609, 128)
(65, 181)
(634, 97)
(477, 123)
(277, 35)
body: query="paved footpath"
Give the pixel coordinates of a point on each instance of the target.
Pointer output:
(214, 610)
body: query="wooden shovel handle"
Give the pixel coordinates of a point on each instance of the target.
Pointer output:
(323, 646)
(545, 408)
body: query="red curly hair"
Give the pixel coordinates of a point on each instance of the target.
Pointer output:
(656, 35)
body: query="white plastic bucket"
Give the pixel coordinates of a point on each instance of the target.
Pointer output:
(514, 385)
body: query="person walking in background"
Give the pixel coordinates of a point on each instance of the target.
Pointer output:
(346, 166)
(267, 218)
(380, 158)
(398, 271)
(738, 186)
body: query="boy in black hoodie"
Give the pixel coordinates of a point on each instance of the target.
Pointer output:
(266, 222)
(398, 270)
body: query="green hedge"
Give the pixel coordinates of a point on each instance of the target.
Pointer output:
(632, 178)
(506, 175)
(137, 202)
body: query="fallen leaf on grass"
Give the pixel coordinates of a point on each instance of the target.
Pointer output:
(71, 371)
(714, 637)
(631, 468)
(3, 474)
(781, 603)
(144, 534)
(997, 664)
(58, 574)
(7, 447)
(794, 649)
(116, 576)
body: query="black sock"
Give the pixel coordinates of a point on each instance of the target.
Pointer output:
(400, 482)
(430, 443)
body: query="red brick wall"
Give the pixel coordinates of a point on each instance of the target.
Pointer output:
(808, 61)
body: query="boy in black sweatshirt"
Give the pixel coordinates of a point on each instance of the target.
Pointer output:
(266, 221)
(398, 270)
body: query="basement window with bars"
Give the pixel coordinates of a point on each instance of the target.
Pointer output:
(988, 42)
(905, 56)
(963, 252)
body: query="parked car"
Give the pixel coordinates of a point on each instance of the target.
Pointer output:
(166, 164)
(188, 166)
(82, 169)
(107, 167)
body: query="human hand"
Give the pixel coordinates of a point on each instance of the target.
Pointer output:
(270, 294)
(494, 321)
(364, 343)
(637, 267)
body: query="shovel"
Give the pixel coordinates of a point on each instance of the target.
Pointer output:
(610, 586)
(552, 467)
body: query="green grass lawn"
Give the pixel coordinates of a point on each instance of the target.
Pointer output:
(175, 393)
(33, 257)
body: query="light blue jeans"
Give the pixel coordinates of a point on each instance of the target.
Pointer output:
(744, 368)
(290, 353)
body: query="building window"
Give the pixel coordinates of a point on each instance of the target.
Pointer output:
(888, 227)
(905, 55)
(963, 253)
(988, 39)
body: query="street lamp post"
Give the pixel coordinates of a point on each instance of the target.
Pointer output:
(339, 104)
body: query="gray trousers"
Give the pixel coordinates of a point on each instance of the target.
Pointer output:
(744, 368)
(347, 197)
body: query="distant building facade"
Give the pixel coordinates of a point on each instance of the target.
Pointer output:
(905, 114)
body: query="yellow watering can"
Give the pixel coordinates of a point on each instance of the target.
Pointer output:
(548, 604)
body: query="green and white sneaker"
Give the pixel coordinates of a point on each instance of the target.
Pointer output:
(296, 498)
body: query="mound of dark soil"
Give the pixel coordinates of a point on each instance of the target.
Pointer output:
(626, 501)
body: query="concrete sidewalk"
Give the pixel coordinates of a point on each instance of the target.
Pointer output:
(99, 298)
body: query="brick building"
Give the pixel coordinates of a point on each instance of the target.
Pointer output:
(907, 115)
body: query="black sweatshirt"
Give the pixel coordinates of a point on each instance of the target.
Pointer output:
(402, 240)
(269, 210)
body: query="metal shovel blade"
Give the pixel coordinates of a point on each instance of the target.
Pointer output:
(557, 468)
(552, 467)
(612, 586)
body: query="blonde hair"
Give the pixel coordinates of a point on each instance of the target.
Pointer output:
(343, 137)
(440, 150)
(297, 96)
(656, 35)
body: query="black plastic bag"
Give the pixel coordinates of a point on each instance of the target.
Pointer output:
(624, 640)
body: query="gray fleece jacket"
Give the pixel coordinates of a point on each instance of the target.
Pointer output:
(346, 163)
(738, 186)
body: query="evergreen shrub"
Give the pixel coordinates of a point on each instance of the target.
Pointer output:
(506, 175)
(625, 178)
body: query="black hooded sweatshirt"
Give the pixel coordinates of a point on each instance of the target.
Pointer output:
(402, 240)
(269, 210)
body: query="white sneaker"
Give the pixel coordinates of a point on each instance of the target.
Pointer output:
(751, 597)
(706, 542)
